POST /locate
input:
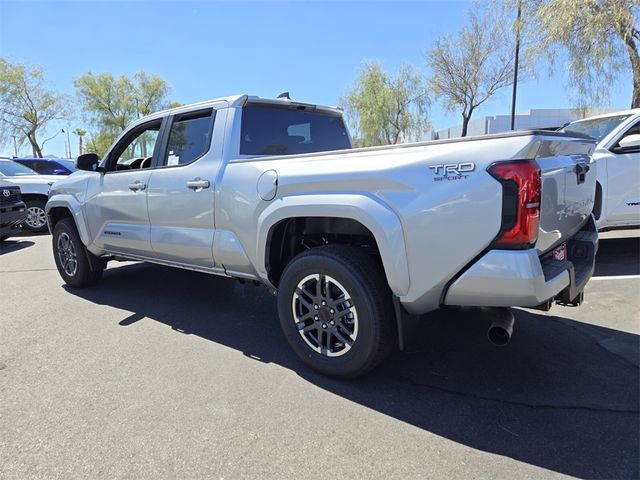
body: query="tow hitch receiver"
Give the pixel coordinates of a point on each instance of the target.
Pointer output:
(563, 299)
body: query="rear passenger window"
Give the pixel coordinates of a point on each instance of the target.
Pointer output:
(45, 168)
(189, 138)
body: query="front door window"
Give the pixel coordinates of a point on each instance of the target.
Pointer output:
(136, 150)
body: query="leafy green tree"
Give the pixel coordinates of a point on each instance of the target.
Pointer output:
(113, 103)
(100, 141)
(600, 37)
(382, 109)
(150, 93)
(27, 106)
(109, 102)
(470, 68)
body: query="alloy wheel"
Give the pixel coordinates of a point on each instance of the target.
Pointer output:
(36, 217)
(67, 254)
(325, 315)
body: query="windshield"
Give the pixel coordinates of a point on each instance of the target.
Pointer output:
(273, 130)
(13, 169)
(597, 128)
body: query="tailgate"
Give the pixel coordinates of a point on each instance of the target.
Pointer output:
(568, 174)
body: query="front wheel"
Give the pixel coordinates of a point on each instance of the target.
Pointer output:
(36, 220)
(335, 310)
(77, 266)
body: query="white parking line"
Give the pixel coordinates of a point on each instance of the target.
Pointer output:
(616, 277)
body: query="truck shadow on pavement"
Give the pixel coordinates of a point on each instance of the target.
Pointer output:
(562, 395)
(14, 244)
(618, 256)
(17, 241)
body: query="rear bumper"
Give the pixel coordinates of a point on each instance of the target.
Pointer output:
(519, 278)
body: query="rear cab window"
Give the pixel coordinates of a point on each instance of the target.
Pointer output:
(189, 137)
(283, 130)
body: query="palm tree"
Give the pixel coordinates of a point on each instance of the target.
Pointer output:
(80, 133)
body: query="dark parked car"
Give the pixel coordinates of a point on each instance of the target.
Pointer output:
(48, 166)
(13, 211)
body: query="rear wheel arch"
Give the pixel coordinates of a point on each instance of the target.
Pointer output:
(348, 215)
(292, 236)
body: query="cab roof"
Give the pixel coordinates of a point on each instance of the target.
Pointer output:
(241, 100)
(631, 111)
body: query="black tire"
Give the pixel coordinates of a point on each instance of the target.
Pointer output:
(365, 283)
(36, 221)
(88, 268)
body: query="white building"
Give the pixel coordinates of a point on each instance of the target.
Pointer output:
(535, 118)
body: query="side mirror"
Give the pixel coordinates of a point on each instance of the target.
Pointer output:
(88, 162)
(628, 144)
(59, 171)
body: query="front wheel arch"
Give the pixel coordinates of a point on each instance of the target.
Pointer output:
(62, 206)
(55, 214)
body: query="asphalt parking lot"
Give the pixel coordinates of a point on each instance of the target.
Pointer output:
(162, 373)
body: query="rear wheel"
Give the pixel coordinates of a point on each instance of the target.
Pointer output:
(335, 310)
(36, 220)
(77, 266)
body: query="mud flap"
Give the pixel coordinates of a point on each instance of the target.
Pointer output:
(407, 324)
(581, 252)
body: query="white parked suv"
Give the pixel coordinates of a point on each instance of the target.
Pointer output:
(617, 155)
(35, 191)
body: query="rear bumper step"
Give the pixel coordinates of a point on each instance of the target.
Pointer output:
(581, 251)
(510, 278)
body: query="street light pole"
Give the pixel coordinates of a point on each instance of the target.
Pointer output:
(68, 144)
(15, 145)
(515, 69)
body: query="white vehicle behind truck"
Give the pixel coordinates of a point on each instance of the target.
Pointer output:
(352, 241)
(617, 155)
(35, 192)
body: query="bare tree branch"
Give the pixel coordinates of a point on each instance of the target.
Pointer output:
(469, 69)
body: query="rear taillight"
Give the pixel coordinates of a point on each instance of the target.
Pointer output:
(520, 203)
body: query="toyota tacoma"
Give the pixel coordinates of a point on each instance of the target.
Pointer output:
(352, 241)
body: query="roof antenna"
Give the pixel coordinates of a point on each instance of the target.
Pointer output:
(284, 95)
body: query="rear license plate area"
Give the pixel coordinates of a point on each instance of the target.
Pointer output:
(560, 253)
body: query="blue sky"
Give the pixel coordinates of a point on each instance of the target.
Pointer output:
(207, 49)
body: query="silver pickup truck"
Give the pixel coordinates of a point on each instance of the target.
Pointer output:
(352, 241)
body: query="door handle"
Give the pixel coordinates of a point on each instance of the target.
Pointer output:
(137, 185)
(198, 184)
